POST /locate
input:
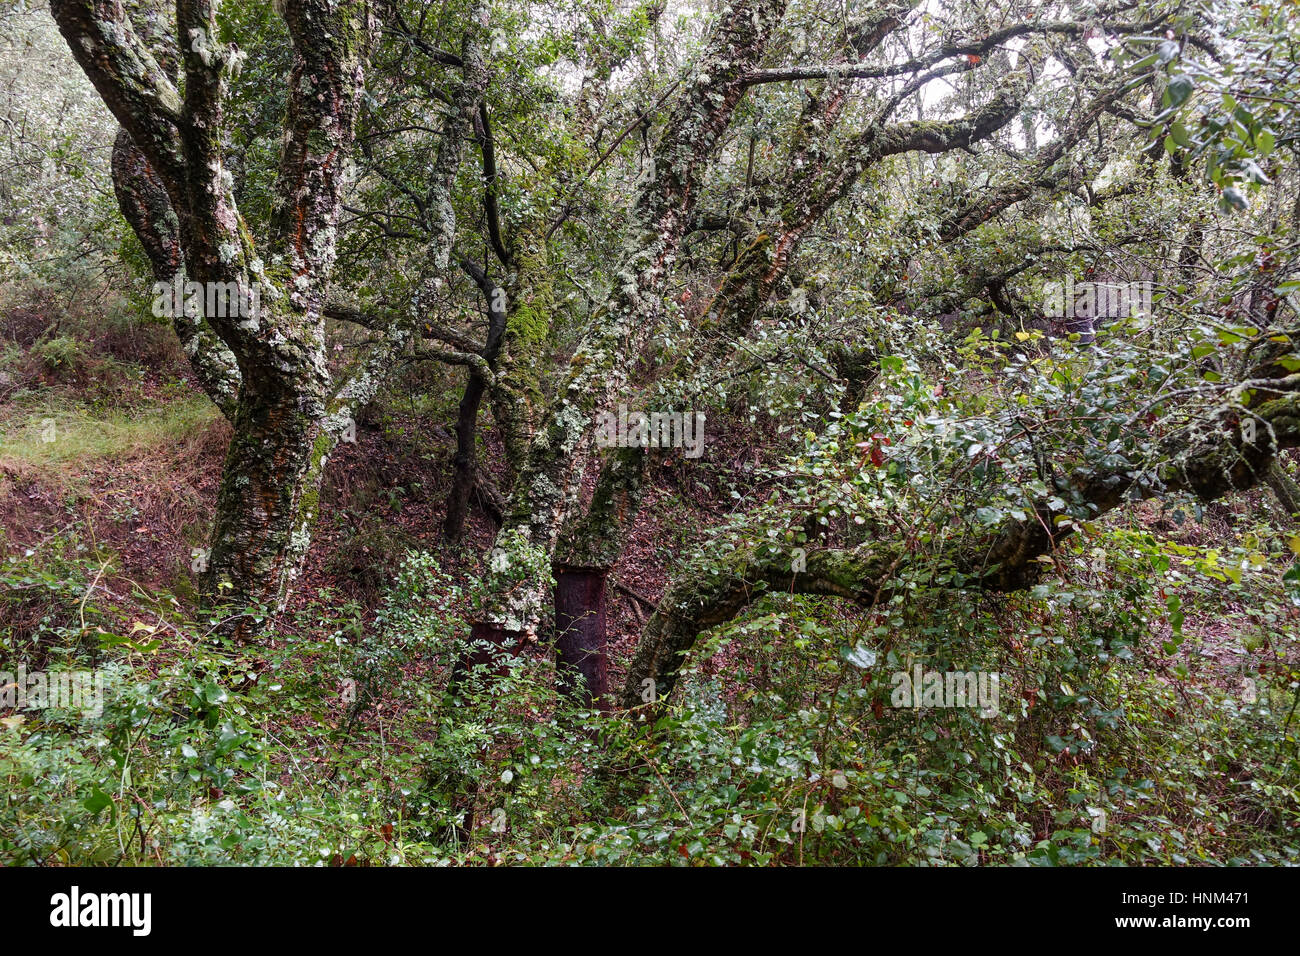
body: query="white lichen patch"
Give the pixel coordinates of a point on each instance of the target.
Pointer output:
(199, 44)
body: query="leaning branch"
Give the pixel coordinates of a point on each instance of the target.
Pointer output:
(1209, 459)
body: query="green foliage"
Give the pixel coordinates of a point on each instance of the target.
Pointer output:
(1236, 107)
(353, 749)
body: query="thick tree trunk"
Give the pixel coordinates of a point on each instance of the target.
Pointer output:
(1285, 488)
(588, 548)
(176, 192)
(560, 450)
(517, 401)
(268, 501)
(580, 626)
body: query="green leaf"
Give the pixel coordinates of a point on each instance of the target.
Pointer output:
(97, 801)
(1179, 89)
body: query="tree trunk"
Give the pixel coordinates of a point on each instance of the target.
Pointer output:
(1284, 487)
(517, 401)
(580, 626)
(268, 501)
(558, 453)
(144, 204)
(465, 462)
(284, 418)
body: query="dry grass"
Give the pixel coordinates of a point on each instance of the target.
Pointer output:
(63, 439)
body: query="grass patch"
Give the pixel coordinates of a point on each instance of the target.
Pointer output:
(56, 436)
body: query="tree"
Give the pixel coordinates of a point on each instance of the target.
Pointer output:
(798, 196)
(268, 371)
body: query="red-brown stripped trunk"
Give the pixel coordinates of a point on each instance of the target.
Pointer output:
(580, 623)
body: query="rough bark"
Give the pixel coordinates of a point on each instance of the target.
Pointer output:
(146, 208)
(286, 421)
(1285, 488)
(517, 400)
(287, 412)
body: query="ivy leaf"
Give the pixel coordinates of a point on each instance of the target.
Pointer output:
(97, 801)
